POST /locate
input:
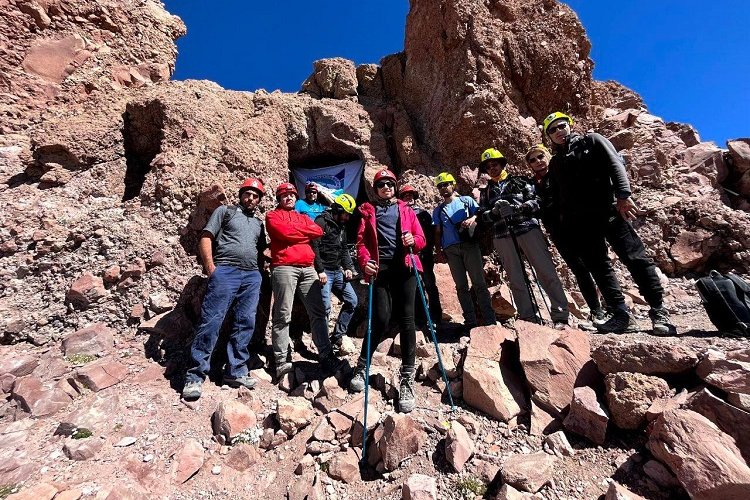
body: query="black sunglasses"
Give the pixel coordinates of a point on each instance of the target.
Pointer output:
(553, 129)
(444, 184)
(383, 184)
(536, 158)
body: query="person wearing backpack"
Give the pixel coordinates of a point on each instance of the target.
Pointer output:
(233, 270)
(510, 205)
(454, 221)
(410, 195)
(332, 254)
(388, 230)
(293, 273)
(592, 195)
(537, 158)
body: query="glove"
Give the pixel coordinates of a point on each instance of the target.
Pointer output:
(503, 208)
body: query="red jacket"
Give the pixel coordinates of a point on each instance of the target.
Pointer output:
(290, 234)
(367, 236)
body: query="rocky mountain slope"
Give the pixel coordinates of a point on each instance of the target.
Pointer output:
(108, 171)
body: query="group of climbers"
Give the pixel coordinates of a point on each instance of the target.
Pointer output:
(580, 192)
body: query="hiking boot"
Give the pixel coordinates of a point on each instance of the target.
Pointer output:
(599, 316)
(336, 345)
(283, 368)
(329, 363)
(406, 399)
(244, 381)
(660, 322)
(560, 325)
(357, 383)
(192, 390)
(620, 322)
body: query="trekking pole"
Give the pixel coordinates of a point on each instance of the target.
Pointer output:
(523, 267)
(544, 295)
(370, 286)
(431, 326)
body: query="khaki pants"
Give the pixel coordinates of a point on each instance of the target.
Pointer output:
(535, 249)
(288, 281)
(463, 259)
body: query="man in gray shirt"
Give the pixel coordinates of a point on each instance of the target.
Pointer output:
(233, 270)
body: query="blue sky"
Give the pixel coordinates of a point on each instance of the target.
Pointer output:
(690, 60)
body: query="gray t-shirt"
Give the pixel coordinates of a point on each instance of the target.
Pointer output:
(240, 241)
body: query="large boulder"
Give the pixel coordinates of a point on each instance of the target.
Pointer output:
(402, 437)
(528, 472)
(554, 362)
(630, 395)
(644, 356)
(586, 417)
(705, 460)
(728, 418)
(728, 371)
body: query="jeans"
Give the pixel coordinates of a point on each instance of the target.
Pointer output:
(288, 281)
(343, 291)
(394, 291)
(226, 284)
(463, 259)
(585, 281)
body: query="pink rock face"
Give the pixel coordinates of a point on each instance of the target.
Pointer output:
(242, 457)
(82, 449)
(692, 249)
(101, 374)
(586, 417)
(94, 339)
(528, 472)
(491, 387)
(661, 405)
(402, 438)
(188, 460)
(18, 365)
(334, 78)
(420, 487)
(344, 467)
(55, 60)
(619, 492)
(705, 460)
(720, 370)
(542, 422)
(86, 290)
(231, 418)
(38, 399)
(644, 356)
(554, 362)
(294, 414)
(41, 491)
(629, 396)
(728, 418)
(458, 446)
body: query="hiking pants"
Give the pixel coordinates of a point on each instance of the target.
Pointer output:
(288, 281)
(343, 291)
(463, 259)
(586, 284)
(394, 292)
(535, 249)
(226, 284)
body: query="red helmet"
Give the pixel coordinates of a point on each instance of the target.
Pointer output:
(384, 174)
(286, 187)
(254, 184)
(310, 187)
(406, 188)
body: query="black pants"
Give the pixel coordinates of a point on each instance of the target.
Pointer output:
(585, 281)
(433, 297)
(394, 292)
(589, 241)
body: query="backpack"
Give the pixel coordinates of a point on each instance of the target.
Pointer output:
(726, 299)
(468, 235)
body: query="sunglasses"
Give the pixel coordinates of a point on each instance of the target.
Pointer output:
(444, 184)
(560, 126)
(385, 184)
(536, 158)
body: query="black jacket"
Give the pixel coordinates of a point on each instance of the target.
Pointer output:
(331, 252)
(520, 193)
(586, 176)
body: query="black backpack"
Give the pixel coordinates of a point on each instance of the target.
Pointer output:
(727, 302)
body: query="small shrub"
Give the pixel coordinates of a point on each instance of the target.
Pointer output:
(7, 489)
(82, 433)
(81, 359)
(468, 485)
